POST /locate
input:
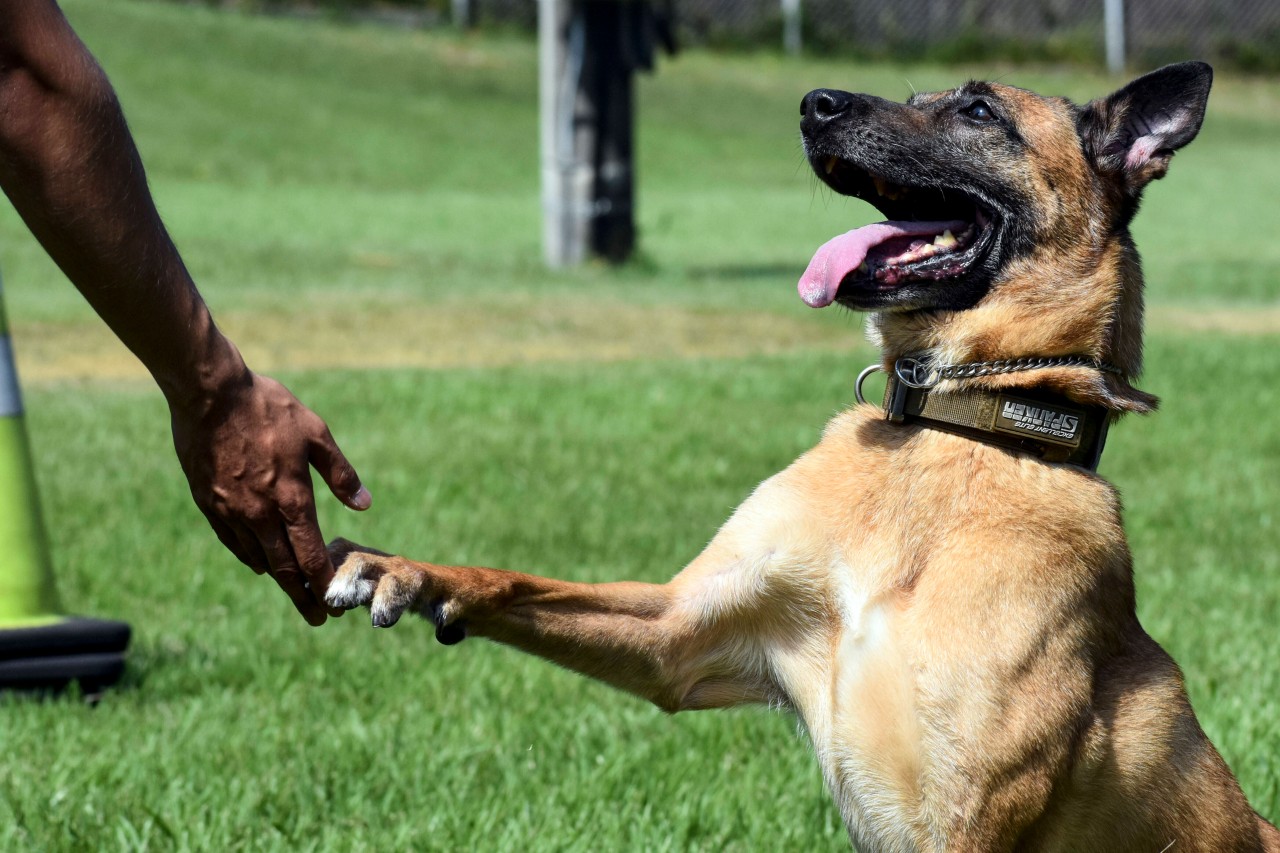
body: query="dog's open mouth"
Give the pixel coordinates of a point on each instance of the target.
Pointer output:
(933, 234)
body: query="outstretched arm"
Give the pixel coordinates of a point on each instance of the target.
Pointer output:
(69, 166)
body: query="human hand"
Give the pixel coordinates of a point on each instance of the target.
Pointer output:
(247, 451)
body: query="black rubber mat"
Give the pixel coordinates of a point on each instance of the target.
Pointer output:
(50, 657)
(73, 635)
(52, 672)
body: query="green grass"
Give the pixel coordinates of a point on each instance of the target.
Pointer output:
(327, 183)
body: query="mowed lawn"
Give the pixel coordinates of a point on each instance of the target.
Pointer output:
(360, 207)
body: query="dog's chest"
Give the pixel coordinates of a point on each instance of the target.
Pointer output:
(873, 754)
(858, 705)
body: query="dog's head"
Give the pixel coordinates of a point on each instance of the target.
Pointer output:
(1007, 231)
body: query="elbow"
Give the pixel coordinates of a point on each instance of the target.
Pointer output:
(41, 95)
(672, 697)
(42, 51)
(718, 692)
(670, 703)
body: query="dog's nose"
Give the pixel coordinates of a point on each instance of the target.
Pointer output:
(822, 105)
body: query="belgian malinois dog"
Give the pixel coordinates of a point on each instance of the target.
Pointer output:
(943, 595)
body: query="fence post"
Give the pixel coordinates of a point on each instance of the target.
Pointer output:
(792, 39)
(589, 51)
(563, 237)
(1114, 22)
(461, 13)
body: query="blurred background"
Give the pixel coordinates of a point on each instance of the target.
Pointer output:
(358, 190)
(1245, 33)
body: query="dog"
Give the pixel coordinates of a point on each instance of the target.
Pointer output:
(943, 595)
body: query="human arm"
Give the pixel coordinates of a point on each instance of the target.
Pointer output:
(69, 166)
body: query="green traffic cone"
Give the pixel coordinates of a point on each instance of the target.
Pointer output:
(40, 649)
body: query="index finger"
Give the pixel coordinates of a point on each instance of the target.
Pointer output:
(287, 575)
(303, 529)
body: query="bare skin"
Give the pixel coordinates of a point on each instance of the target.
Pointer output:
(69, 166)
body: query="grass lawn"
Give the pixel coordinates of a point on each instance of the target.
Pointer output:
(360, 207)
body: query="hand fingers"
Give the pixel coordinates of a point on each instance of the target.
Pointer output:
(303, 530)
(335, 470)
(245, 549)
(290, 580)
(285, 572)
(257, 557)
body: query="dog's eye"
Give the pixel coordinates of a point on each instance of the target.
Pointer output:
(979, 111)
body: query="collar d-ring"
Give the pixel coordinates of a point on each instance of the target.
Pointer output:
(862, 377)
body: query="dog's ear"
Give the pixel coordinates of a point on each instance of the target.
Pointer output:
(1131, 134)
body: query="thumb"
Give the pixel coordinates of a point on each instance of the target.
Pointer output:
(335, 470)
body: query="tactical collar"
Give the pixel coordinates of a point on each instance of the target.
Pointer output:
(1043, 424)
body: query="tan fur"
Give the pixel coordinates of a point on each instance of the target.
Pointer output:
(953, 622)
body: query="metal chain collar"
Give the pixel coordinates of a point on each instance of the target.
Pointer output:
(920, 371)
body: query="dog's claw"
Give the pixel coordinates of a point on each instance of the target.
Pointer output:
(381, 618)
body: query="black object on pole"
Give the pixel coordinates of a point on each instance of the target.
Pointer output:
(619, 40)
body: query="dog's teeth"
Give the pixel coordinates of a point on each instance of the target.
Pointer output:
(887, 189)
(831, 164)
(945, 240)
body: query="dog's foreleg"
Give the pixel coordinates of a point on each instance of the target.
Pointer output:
(661, 642)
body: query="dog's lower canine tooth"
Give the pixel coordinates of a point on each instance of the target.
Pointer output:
(830, 165)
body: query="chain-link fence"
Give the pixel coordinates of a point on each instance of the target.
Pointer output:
(1242, 33)
(1245, 33)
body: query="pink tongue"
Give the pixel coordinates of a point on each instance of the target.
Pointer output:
(841, 255)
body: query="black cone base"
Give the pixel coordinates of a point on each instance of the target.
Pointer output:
(50, 657)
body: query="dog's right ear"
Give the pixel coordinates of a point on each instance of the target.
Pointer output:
(1132, 133)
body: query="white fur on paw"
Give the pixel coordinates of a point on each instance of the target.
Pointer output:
(349, 588)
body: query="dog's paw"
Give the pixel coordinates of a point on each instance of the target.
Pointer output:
(387, 585)
(350, 587)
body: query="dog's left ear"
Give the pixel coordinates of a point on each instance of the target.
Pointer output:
(1133, 133)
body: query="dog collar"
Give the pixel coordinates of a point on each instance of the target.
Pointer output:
(1045, 425)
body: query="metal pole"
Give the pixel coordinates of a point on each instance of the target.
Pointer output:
(1114, 22)
(461, 14)
(791, 35)
(589, 51)
(550, 53)
(585, 132)
(552, 50)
